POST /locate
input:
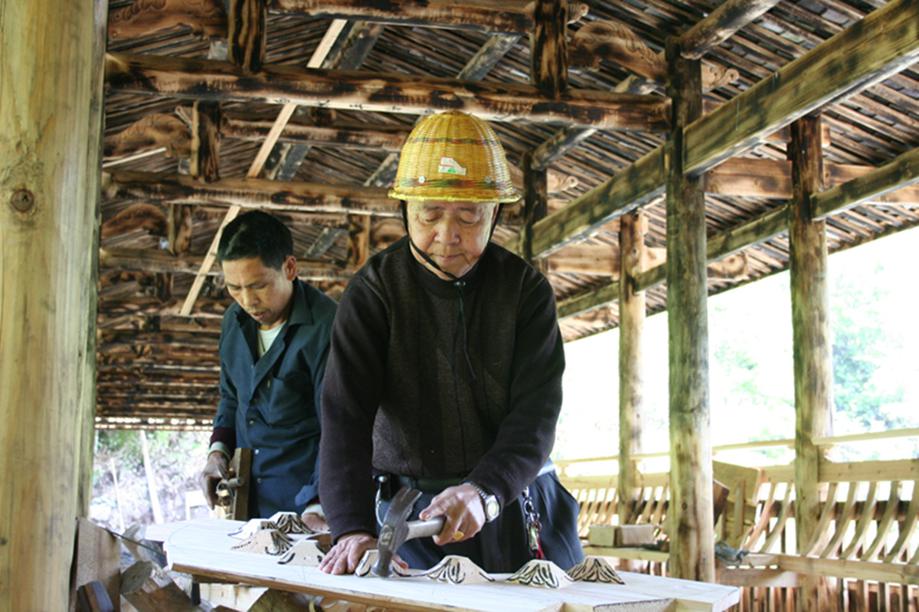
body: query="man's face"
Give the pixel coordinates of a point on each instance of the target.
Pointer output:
(453, 234)
(263, 292)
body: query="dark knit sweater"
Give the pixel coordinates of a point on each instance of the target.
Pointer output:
(400, 396)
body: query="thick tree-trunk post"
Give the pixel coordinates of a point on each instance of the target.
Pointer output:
(690, 512)
(246, 34)
(811, 336)
(548, 47)
(631, 324)
(535, 205)
(50, 140)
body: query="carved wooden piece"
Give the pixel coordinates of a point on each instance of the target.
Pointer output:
(615, 42)
(214, 80)
(690, 516)
(50, 144)
(246, 34)
(454, 569)
(548, 47)
(595, 569)
(542, 574)
(513, 16)
(305, 552)
(266, 542)
(811, 334)
(144, 17)
(154, 131)
(631, 367)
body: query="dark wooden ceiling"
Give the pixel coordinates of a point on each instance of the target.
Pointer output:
(159, 369)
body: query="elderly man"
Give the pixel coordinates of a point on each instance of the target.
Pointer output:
(273, 347)
(445, 373)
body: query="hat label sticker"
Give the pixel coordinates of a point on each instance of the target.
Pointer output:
(448, 165)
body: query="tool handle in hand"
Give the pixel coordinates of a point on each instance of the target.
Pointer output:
(422, 529)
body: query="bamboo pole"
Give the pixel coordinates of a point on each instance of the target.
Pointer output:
(813, 365)
(50, 144)
(631, 371)
(690, 512)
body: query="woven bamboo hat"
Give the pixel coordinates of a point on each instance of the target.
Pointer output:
(453, 157)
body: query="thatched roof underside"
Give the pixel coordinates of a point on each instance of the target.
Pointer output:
(155, 364)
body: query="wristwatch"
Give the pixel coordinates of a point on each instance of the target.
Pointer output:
(489, 503)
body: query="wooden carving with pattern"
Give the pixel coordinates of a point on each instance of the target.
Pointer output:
(615, 42)
(151, 132)
(144, 17)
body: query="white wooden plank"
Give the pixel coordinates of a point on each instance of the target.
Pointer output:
(203, 547)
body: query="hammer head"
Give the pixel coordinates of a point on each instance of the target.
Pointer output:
(394, 529)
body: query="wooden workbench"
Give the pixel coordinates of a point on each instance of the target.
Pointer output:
(204, 548)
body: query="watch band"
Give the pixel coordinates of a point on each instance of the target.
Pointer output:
(489, 502)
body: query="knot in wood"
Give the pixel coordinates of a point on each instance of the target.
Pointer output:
(22, 200)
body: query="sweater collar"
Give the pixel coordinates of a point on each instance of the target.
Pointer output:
(439, 286)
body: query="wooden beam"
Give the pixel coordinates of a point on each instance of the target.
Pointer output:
(488, 55)
(883, 43)
(631, 360)
(690, 513)
(148, 260)
(586, 301)
(548, 47)
(351, 53)
(902, 171)
(624, 192)
(343, 135)
(721, 24)
(253, 193)
(889, 41)
(811, 344)
(513, 16)
(50, 141)
(399, 93)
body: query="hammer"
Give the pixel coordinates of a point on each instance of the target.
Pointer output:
(397, 528)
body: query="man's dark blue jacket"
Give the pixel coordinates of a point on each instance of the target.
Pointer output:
(271, 405)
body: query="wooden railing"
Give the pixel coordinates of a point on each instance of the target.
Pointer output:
(867, 542)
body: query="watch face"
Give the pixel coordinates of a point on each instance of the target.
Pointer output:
(491, 508)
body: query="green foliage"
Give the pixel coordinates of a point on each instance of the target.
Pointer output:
(865, 340)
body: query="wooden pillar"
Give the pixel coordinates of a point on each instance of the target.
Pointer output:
(548, 47)
(535, 202)
(205, 141)
(246, 33)
(358, 240)
(690, 511)
(631, 325)
(811, 336)
(50, 140)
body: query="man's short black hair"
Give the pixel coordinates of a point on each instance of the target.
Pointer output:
(256, 234)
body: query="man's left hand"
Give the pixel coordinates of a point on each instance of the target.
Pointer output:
(463, 512)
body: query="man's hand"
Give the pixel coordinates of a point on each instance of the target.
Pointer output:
(347, 553)
(216, 469)
(463, 512)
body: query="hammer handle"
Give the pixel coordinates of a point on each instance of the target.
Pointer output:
(423, 529)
